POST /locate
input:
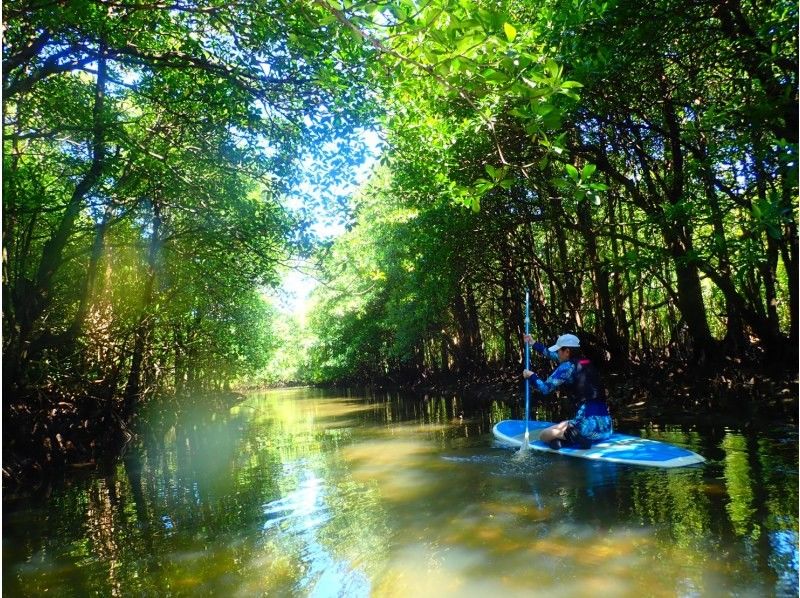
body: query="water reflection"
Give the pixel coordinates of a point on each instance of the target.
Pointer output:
(297, 520)
(302, 493)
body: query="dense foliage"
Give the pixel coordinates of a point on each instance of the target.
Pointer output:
(633, 165)
(147, 149)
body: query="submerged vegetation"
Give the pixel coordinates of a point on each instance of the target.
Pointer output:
(634, 167)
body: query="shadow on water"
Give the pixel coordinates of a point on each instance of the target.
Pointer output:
(307, 493)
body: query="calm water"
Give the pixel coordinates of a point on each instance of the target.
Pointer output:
(303, 493)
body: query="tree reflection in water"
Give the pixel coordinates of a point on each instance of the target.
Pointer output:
(305, 493)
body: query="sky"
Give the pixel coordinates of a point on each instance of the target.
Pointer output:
(297, 284)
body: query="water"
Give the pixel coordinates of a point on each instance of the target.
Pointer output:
(303, 493)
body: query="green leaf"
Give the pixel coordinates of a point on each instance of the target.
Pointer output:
(560, 184)
(493, 75)
(572, 172)
(469, 42)
(774, 232)
(571, 84)
(540, 92)
(511, 32)
(532, 129)
(569, 94)
(552, 68)
(483, 186)
(535, 80)
(552, 120)
(522, 112)
(543, 109)
(588, 171)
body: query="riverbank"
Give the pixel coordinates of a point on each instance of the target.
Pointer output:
(738, 389)
(52, 436)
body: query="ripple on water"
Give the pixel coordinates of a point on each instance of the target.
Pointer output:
(503, 462)
(301, 509)
(296, 523)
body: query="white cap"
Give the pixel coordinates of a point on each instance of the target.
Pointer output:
(566, 340)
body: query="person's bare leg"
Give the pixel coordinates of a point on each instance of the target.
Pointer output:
(553, 432)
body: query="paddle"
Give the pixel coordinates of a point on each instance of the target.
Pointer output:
(525, 446)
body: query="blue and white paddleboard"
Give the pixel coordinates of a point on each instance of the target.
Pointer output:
(619, 448)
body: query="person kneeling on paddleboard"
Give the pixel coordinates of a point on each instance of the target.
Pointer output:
(577, 376)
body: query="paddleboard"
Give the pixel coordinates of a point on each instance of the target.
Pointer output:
(619, 448)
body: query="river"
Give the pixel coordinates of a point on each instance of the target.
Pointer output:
(304, 492)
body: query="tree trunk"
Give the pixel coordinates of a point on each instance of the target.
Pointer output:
(735, 340)
(690, 297)
(464, 347)
(476, 338)
(32, 298)
(614, 343)
(133, 388)
(678, 237)
(789, 257)
(98, 247)
(506, 305)
(775, 345)
(618, 291)
(570, 298)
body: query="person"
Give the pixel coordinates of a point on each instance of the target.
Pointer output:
(577, 376)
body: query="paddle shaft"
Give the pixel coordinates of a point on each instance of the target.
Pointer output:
(527, 360)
